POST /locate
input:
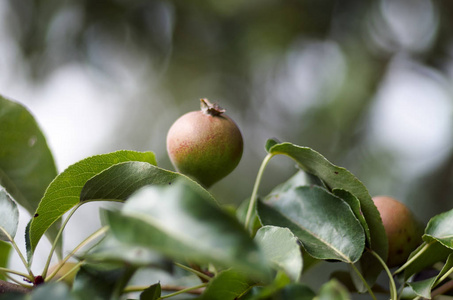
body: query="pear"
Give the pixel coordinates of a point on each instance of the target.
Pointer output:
(403, 230)
(205, 145)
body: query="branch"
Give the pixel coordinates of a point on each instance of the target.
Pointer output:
(442, 289)
(8, 287)
(169, 288)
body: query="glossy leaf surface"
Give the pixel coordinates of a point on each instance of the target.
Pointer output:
(64, 191)
(120, 181)
(431, 253)
(325, 224)
(423, 288)
(440, 229)
(354, 203)
(280, 247)
(338, 178)
(301, 178)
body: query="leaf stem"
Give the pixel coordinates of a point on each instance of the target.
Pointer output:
(191, 270)
(183, 291)
(363, 280)
(393, 291)
(445, 276)
(21, 256)
(11, 278)
(59, 234)
(413, 258)
(253, 198)
(92, 236)
(6, 270)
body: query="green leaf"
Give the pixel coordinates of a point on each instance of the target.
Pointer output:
(339, 178)
(289, 291)
(368, 265)
(52, 291)
(120, 181)
(296, 291)
(299, 179)
(269, 291)
(325, 224)
(354, 203)
(241, 214)
(112, 250)
(181, 222)
(439, 228)
(27, 241)
(280, 247)
(64, 191)
(271, 143)
(423, 288)
(434, 252)
(26, 163)
(9, 216)
(227, 285)
(333, 290)
(100, 281)
(5, 250)
(408, 293)
(151, 293)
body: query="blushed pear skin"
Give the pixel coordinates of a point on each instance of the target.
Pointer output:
(402, 228)
(205, 145)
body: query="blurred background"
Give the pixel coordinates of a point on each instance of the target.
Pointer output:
(366, 83)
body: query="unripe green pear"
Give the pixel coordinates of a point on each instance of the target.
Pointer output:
(205, 145)
(402, 228)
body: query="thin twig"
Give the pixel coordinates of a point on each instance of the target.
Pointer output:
(365, 283)
(393, 291)
(168, 288)
(55, 242)
(90, 238)
(16, 248)
(8, 287)
(196, 272)
(6, 271)
(442, 289)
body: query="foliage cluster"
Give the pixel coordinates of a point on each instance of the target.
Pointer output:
(172, 239)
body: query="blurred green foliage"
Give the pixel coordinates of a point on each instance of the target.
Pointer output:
(304, 71)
